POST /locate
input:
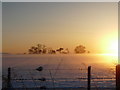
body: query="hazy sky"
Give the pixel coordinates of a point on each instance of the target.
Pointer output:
(59, 25)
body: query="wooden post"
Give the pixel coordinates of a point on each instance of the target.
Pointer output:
(118, 77)
(89, 77)
(9, 78)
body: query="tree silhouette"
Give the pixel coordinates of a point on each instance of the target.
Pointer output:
(60, 50)
(51, 51)
(80, 49)
(42, 49)
(39, 49)
(30, 51)
(63, 51)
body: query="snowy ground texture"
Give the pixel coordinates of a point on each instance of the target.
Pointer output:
(60, 71)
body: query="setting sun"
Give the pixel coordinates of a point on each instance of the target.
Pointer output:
(114, 46)
(110, 44)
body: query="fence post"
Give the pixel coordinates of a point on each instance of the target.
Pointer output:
(118, 77)
(9, 78)
(89, 77)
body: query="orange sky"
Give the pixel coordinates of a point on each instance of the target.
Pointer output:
(59, 25)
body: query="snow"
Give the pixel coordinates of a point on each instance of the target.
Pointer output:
(60, 70)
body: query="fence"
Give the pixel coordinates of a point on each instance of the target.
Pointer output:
(118, 77)
(51, 81)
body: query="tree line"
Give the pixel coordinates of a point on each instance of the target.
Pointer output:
(43, 49)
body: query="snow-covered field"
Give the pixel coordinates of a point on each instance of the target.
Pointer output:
(60, 70)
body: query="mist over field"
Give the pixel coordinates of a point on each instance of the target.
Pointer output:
(65, 69)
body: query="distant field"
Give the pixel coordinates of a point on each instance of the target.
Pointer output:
(61, 71)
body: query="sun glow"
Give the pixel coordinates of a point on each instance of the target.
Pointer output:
(110, 44)
(110, 47)
(113, 47)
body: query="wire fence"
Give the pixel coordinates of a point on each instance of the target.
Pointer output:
(58, 78)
